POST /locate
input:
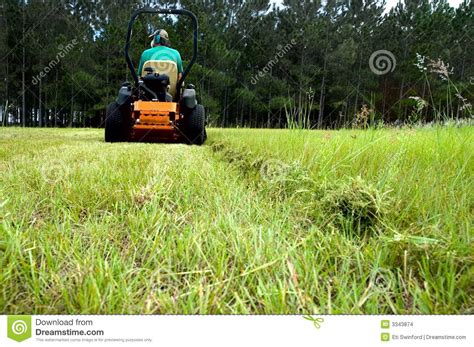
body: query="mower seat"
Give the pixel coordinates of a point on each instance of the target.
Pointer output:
(164, 67)
(159, 85)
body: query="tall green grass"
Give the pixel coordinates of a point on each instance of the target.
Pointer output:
(375, 221)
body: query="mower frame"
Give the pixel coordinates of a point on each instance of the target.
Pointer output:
(162, 11)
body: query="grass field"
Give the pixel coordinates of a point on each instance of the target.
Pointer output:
(255, 221)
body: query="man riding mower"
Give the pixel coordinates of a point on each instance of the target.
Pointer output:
(156, 107)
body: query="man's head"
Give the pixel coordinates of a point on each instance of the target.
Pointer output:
(160, 38)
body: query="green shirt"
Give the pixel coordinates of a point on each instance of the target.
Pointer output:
(161, 53)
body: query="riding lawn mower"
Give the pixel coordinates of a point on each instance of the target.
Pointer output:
(156, 107)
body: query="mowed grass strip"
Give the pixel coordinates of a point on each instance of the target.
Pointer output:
(89, 227)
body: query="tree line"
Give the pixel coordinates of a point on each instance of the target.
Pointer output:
(321, 64)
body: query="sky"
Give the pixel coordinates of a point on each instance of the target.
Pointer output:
(390, 3)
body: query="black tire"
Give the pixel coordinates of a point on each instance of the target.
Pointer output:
(115, 130)
(195, 126)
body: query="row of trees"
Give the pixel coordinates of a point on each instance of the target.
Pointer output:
(312, 63)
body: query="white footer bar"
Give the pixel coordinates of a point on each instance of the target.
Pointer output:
(42, 330)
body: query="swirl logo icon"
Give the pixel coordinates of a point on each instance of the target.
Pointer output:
(274, 170)
(382, 62)
(19, 327)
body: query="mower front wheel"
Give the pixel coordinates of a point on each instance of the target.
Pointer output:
(195, 127)
(115, 130)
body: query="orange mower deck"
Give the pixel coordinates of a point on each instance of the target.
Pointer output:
(155, 121)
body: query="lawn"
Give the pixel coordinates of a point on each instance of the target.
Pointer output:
(255, 221)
